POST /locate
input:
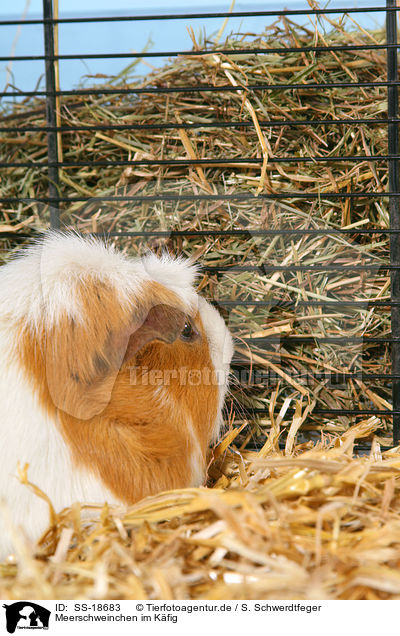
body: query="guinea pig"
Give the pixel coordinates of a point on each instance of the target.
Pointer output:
(113, 374)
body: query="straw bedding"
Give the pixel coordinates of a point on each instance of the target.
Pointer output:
(312, 521)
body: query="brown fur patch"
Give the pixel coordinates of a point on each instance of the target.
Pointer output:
(97, 375)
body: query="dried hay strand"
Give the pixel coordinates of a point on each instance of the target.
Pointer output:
(315, 522)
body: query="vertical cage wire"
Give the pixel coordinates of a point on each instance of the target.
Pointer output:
(394, 187)
(52, 144)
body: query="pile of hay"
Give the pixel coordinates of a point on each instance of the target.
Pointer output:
(310, 522)
(283, 338)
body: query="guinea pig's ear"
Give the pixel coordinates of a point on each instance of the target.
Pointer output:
(83, 357)
(163, 323)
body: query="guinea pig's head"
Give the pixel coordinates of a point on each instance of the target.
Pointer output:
(126, 358)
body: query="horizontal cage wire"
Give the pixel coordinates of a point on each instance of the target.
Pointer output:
(303, 265)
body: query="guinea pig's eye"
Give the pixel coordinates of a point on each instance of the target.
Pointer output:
(188, 332)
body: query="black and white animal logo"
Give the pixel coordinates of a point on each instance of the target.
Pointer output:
(26, 615)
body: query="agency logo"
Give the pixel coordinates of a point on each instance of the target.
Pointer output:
(26, 615)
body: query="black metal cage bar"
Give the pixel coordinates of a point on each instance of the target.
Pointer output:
(51, 105)
(394, 186)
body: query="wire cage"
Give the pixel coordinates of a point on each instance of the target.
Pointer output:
(374, 392)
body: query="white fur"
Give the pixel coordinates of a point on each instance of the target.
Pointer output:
(39, 283)
(177, 274)
(221, 351)
(38, 287)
